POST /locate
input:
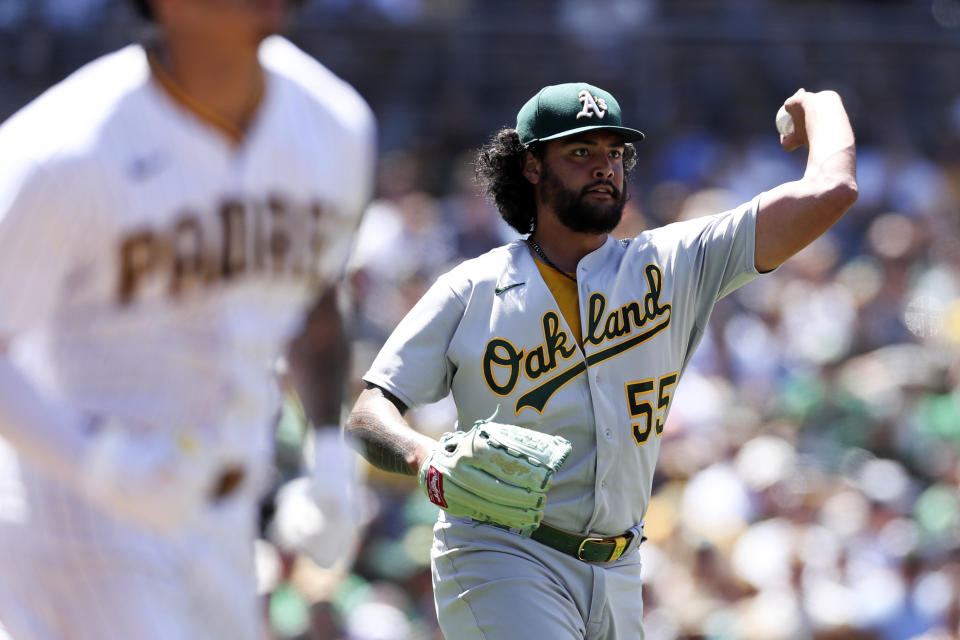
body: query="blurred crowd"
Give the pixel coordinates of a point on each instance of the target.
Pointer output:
(809, 476)
(809, 481)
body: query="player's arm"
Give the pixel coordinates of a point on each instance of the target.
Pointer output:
(377, 427)
(794, 214)
(492, 472)
(49, 435)
(414, 359)
(319, 361)
(319, 358)
(36, 249)
(106, 464)
(44, 216)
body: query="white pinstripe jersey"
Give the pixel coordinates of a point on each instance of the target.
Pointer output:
(150, 270)
(491, 332)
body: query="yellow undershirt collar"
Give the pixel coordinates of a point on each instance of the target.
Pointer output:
(565, 293)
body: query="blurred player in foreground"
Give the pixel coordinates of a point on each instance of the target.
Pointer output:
(577, 336)
(168, 214)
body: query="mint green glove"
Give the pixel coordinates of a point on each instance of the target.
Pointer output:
(494, 473)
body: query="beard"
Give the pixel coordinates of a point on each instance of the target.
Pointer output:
(575, 212)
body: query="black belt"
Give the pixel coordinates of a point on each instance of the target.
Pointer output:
(583, 548)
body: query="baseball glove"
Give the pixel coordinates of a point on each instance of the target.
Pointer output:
(494, 473)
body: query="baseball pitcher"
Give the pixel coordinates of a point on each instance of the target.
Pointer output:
(577, 341)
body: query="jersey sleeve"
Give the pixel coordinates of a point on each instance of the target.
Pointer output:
(329, 99)
(413, 363)
(358, 145)
(361, 150)
(365, 150)
(722, 255)
(37, 238)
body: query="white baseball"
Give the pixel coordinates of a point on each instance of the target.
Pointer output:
(784, 122)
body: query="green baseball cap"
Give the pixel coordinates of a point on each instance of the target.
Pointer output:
(565, 109)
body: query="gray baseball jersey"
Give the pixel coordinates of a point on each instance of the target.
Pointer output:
(490, 332)
(151, 271)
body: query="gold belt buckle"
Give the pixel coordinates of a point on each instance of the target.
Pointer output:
(583, 543)
(619, 544)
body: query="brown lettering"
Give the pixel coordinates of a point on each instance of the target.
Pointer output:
(234, 250)
(187, 255)
(317, 239)
(138, 256)
(279, 235)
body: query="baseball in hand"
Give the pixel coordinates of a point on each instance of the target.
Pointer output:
(784, 122)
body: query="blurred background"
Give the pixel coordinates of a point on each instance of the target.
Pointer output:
(809, 482)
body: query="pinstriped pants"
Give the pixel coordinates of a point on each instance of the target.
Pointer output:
(69, 570)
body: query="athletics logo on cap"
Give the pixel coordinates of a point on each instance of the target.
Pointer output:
(553, 113)
(591, 105)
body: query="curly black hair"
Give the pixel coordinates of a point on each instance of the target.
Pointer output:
(499, 170)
